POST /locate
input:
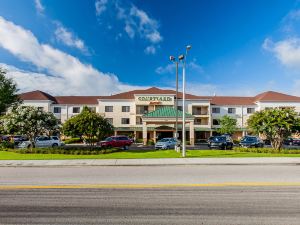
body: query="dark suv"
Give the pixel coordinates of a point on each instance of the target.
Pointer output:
(220, 142)
(251, 142)
(116, 142)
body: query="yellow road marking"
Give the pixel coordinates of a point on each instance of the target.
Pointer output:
(139, 186)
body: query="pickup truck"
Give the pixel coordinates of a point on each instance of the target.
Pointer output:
(42, 142)
(116, 142)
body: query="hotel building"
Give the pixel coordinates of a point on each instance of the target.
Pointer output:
(150, 113)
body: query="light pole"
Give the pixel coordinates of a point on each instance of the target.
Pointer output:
(183, 59)
(173, 59)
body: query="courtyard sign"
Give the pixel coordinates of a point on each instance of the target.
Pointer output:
(154, 99)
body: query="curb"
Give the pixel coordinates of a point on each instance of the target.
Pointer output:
(151, 162)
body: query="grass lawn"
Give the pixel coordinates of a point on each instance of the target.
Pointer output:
(142, 154)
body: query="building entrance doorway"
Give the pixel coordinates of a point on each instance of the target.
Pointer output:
(164, 134)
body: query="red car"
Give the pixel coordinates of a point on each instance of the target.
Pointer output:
(116, 142)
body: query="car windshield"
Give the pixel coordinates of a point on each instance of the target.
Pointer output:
(165, 140)
(108, 139)
(250, 139)
(219, 139)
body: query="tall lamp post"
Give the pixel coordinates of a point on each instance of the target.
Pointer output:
(183, 59)
(173, 59)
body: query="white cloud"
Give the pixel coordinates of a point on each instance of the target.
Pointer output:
(39, 7)
(67, 74)
(286, 51)
(150, 50)
(137, 23)
(170, 68)
(100, 6)
(68, 38)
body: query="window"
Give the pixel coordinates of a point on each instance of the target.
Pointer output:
(141, 109)
(41, 108)
(109, 108)
(125, 108)
(216, 122)
(231, 110)
(76, 109)
(139, 120)
(215, 110)
(250, 110)
(110, 120)
(57, 110)
(92, 109)
(179, 108)
(125, 121)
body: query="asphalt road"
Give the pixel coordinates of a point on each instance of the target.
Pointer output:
(215, 194)
(222, 205)
(185, 174)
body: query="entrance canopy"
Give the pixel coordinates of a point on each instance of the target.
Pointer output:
(166, 115)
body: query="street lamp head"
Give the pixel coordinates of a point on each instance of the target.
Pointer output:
(172, 58)
(188, 47)
(181, 57)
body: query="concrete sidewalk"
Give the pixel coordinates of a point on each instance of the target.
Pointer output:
(152, 162)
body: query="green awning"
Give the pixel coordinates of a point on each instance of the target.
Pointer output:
(166, 112)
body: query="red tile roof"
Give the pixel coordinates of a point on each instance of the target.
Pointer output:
(276, 96)
(153, 90)
(232, 100)
(80, 100)
(216, 100)
(37, 95)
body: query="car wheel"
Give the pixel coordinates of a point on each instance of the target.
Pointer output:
(126, 147)
(54, 145)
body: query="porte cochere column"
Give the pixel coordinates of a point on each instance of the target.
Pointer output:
(145, 133)
(192, 134)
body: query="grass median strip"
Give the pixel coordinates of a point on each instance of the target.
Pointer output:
(142, 154)
(140, 186)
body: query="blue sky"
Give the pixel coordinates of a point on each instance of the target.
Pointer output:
(100, 47)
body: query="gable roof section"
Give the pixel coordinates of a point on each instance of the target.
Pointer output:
(89, 100)
(37, 95)
(153, 90)
(272, 96)
(166, 112)
(232, 100)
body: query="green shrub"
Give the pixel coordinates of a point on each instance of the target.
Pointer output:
(150, 142)
(236, 142)
(73, 140)
(140, 140)
(6, 144)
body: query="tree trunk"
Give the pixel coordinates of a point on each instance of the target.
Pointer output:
(277, 143)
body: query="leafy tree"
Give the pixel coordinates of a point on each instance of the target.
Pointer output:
(29, 121)
(89, 124)
(228, 125)
(275, 124)
(8, 93)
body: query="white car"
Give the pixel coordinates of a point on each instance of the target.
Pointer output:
(166, 143)
(42, 142)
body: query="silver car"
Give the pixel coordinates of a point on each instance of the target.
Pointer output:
(166, 143)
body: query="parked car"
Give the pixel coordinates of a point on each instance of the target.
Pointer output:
(116, 142)
(166, 143)
(291, 141)
(221, 142)
(42, 142)
(251, 142)
(210, 139)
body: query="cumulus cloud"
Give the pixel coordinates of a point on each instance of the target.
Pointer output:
(68, 38)
(150, 50)
(100, 6)
(170, 68)
(286, 51)
(38, 6)
(62, 73)
(137, 23)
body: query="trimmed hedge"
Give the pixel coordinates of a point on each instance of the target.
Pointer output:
(266, 150)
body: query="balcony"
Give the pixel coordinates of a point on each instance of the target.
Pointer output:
(200, 111)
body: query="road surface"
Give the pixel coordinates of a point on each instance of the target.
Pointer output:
(151, 195)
